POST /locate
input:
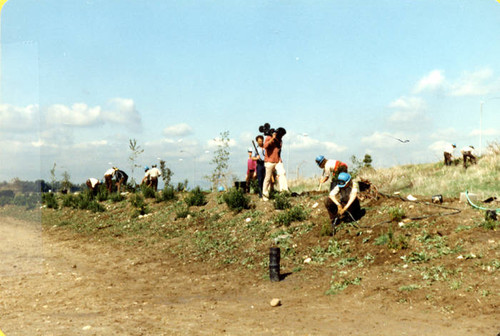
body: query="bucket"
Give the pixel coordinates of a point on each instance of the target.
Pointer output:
(437, 199)
(240, 185)
(274, 264)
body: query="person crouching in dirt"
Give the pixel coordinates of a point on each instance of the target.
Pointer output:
(108, 179)
(343, 203)
(448, 154)
(154, 173)
(121, 178)
(330, 167)
(467, 153)
(93, 185)
(145, 180)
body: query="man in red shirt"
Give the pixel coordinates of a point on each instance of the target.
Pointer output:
(272, 145)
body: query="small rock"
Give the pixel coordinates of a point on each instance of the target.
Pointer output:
(460, 257)
(401, 224)
(86, 327)
(275, 302)
(188, 217)
(248, 219)
(307, 260)
(315, 205)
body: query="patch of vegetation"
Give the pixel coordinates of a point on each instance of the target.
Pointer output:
(340, 285)
(167, 194)
(282, 201)
(489, 224)
(296, 214)
(147, 191)
(181, 211)
(29, 201)
(102, 193)
(196, 197)
(138, 202)
(409, 288)
(399, 243)
(49, 199)
(236, 199)
(116, 197)
(396, 213)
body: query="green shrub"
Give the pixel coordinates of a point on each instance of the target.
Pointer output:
(236, 199)
(69, 201)
(282, 201)
(181, 211)
(148, 192)
(49, 199)
(295, 214)
(396, 214)
(4, 200)
(115, 197)
(102, 193)
(489, 224)
(26, 200)
(137, 201)
(95, 206)
(196, 197)
(167, 194)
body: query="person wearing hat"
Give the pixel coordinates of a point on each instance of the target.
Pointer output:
(448, 154)
(343, 203)
(251, 169)
(153, 174)
(330, 167)
(145, 180)
(272, 162)
(467, 153)
(108, 178)
(93, 185)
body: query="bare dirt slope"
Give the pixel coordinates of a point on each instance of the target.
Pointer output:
(85, 287)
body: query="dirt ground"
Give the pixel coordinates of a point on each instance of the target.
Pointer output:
(56, 282)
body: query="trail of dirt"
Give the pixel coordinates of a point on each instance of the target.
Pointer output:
(87, 287)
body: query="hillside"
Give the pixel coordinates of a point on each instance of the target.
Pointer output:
(403, 255)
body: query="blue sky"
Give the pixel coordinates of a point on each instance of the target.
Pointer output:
(81, 78)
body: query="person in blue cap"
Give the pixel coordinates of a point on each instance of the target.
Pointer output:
(145, 180)
(330, 167)
(448, 154)
(343, 203)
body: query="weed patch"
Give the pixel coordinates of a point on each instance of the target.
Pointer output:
(236, 199)
(196, 197)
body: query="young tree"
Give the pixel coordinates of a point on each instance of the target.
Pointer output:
(53, 179)
(220, 161)
(367, 161)
(166, 173)
(66, 183)
(136, 151)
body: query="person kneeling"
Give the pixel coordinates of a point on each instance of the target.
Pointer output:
(343, 203)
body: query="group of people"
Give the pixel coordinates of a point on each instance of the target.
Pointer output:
(117, 177)
(265, 164)
(467, 155)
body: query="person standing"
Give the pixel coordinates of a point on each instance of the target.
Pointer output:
(108, 179)
(448, 154)
(251, 170)
(154, 173)
(259, 155)
(330, 168)
(272, 145)
(145, 180)
(468, 153)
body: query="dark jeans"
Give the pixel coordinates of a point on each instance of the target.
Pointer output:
(355, 210)
(261, 174)
(447, 159)
(472, 158)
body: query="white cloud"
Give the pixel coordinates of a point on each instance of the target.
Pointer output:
(438, 146)
(486, 132)
(182, 129)
(307, 142)
(78, 114)
(445, 133)
(124, 112)
(432, 81)
(408, 109)
(19, 119)
(472, 83)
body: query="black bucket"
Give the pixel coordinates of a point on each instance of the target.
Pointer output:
(274, 264)
(240, 185)
(437, 199)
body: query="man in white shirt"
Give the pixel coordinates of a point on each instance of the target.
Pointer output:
(468, 153)
(448, 154)
(153, 174)
(108, 178)
(330, 167)
(93, 185)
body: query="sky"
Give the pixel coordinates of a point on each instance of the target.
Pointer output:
(79, 79)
